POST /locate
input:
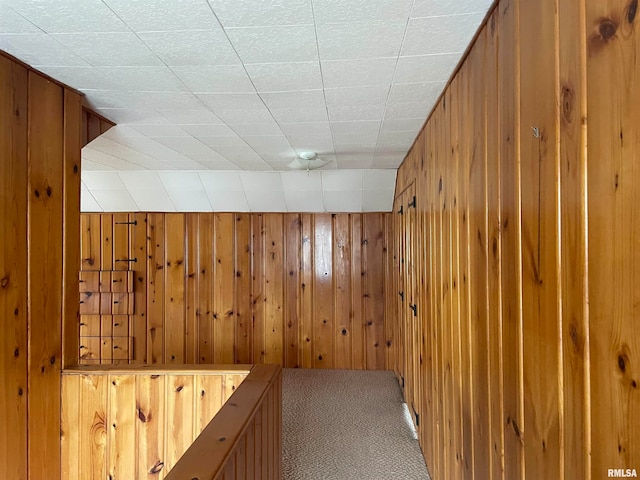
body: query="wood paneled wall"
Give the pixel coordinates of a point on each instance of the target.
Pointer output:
(522, 251)
(137, 423)
(93, 125)
(244, 440)
(39, 211)
(299, 290)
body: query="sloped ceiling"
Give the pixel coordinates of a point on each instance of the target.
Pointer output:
(242, 87)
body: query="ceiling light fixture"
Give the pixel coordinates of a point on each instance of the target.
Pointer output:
(307, 161)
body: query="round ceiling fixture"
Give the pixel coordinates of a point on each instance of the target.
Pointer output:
(307, 161)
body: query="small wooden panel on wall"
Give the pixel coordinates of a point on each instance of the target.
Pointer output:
(299, 290)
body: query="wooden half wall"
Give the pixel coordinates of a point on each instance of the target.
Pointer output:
(39, 220)
(521, 254)
(298, 290)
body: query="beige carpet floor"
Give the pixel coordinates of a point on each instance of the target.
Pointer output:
(347, 424)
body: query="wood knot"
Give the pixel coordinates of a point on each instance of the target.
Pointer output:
(607, 29)
(179, 389)
(622, 362)
(4, 282)
(632, 9)
(157, 467)
(49, 191)
(568, 100)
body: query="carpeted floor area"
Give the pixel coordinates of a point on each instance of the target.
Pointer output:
(347, 424)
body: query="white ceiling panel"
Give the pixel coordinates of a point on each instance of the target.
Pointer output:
(298, 99)
(164, 15)
(88, 203)
(259, 13)
(102, 181)
(68, 16)
(261, 181)
(311, 180)
(221, 181)
(280, 77)
(190, 201)
(214, 78)
(339, 41)
(339, 11)
(114, 200)
(120, 49)
(191, 47)
(291, 43)
(358, 72)
(426, 68)
(304, 200)
(448, 34)
(377, 200)
(221, 86)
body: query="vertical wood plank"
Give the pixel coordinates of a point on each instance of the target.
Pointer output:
(191, 288)
(258, 287)
(306, 291)
(121, 246)
(155, 288)
(13, 269)
(138, 321)
(274, 288)
(208, 399)
(204, 311)
(323, 321)
(121, 413)
(242, 308)
(180, 401)
(373, 295)
(45, 202)
(223, 298)
(90, 243)
(343, 312)
(174, 298)
(292, 267)
(106, 239)
(92, 410)
(151, 414)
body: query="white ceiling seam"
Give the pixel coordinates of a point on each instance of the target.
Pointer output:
(229, 85)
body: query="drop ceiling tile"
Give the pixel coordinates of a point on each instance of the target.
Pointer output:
(215, 78)
(340, 41)
(296, 99)
(390, 161)
(278, 142)
(82, 78)
(345, 113)
(11, 22)
(342, 200)
(244, 159)
(359, 72)
(185, 201)
(445, 34)
(261, 166)
(190, 117)
(141, 180)
(153, 149)
(224, 141)
(191, 47)
(281, 12)
(311, 114)
(246, 116)
(304, 181)
(357, 95)
(304, 201)
(305, 128)
(253, 181)
(132, 115)
(437, 8)
(365, 127)
(279, 77)
(396, 140)
(232, 101)
(88, 203)
(145, 78)
(209, 159)
(355, 141)
(152, 201)
(339, 11)
(90, 166)
(104, 160)
(403, 125)
(115, 200)
(38, 50)
(407, 110)
(164, 15)
(426, 68)
(160, 130)
(206, 163)
(315, 143)
(120, 99)
(221, 181)
(184, 145)
(181, 181)
(211, 130)
(71, 16)
(355, 160)
(121, 132)
(257, 129)
(291, 43)
(377, 200)
(228, 201)
(342, 180)
(416, 92)
(379, 179)
(109, 49)
(266, 200)
(102, 181)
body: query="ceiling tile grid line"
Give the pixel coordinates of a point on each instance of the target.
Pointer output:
(224, 85)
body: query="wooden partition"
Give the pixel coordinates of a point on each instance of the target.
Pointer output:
(520, 254)
(244, 440)
(39, 221)
(299, 290)
(136, 422)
